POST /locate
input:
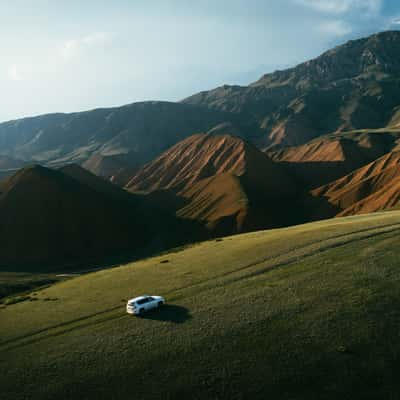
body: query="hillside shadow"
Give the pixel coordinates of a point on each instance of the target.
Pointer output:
(317, 173)
(168, 312)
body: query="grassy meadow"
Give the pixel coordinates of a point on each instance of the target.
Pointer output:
(307, 312)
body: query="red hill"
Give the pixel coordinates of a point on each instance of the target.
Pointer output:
(332, 156)
(373, 187)
(224, 182)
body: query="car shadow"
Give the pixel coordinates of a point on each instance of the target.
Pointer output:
(168, 312)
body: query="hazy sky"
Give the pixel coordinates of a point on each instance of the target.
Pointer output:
(74, 55)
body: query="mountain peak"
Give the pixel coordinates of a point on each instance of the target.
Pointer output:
(352, 86)
(377, 53)
(197, 157)
(221, 181)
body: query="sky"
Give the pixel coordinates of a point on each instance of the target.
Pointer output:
(70, 55)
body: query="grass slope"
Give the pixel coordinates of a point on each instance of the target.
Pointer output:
(20, 282)
(298, 313)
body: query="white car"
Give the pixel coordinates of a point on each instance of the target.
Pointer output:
(140, 304)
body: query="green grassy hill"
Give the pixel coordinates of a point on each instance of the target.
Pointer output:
(306, 312)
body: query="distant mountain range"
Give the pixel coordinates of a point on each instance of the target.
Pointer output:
(137, 131)
(353, 86)
(315, 141)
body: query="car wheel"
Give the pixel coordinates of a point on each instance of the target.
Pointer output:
(160, 303)
(141, 311)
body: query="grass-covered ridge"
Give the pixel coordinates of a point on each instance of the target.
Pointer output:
(303, 312)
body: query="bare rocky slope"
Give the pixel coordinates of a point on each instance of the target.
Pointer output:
(330, 157)
(374, 187)
(223, 182)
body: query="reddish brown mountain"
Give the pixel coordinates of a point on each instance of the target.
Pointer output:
(223, 182)
(225, 191)
(332, 156)
(204, 155)
(373, 187)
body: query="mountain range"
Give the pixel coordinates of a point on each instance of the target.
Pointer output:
(140, 130)
(315, 141)
(353, 86)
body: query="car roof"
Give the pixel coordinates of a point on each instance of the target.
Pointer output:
(140, 297)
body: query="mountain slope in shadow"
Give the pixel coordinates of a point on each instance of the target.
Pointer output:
(53, 219)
